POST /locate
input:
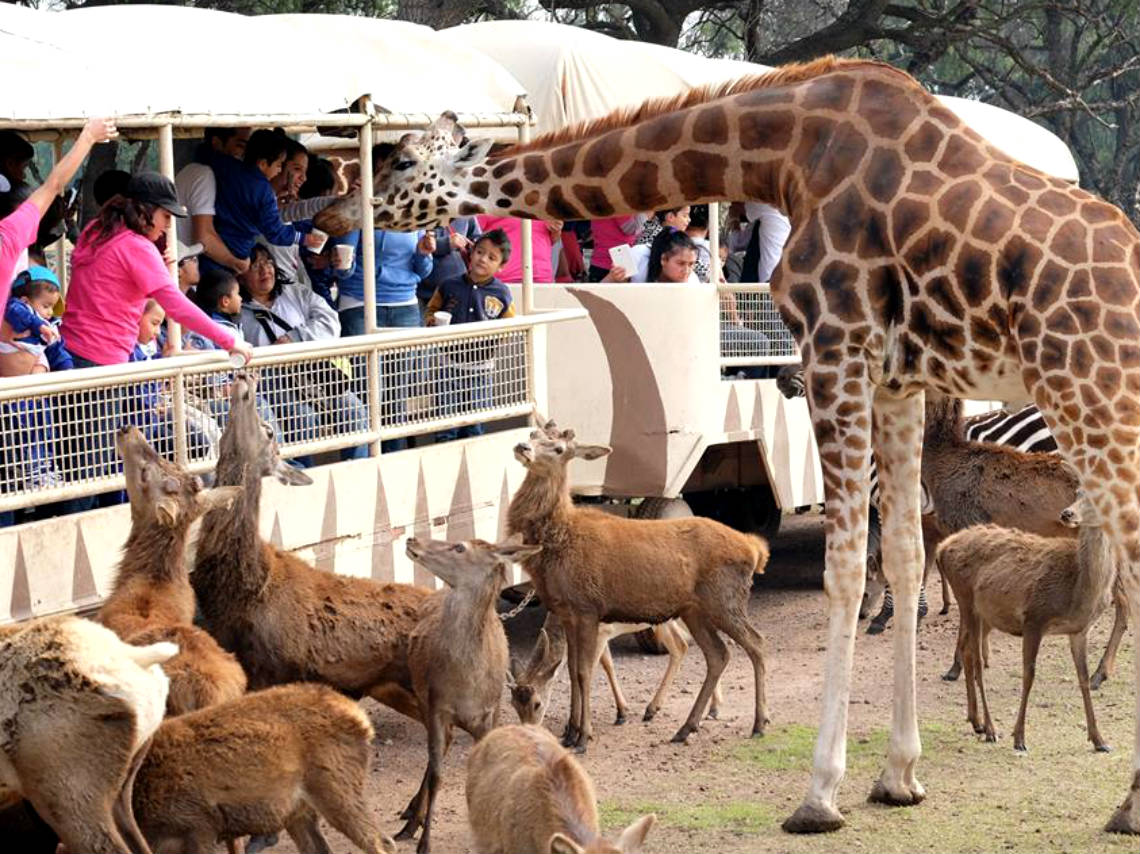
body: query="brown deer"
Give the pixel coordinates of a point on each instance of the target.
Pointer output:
(525, 793)
(458, 654)
(530, 683)
(152, 599)
(269, 760)
(1029, 586)
(77, 709)
(597, 568)
(285, 620)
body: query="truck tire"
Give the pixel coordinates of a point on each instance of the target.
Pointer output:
(658, 508)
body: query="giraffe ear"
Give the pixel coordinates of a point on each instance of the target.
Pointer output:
(471, 153)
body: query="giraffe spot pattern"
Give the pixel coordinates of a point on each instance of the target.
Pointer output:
(602, 157)
(594, 199)
(711, 127)
(534, 169)
(884, 174)
(639, 188)
(772, 131)
(887, 109)
(700, 174)
(661, 133)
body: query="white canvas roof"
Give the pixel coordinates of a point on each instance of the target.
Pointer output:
(574, 75)
(69, 65)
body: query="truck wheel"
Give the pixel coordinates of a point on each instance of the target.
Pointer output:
(658, 508)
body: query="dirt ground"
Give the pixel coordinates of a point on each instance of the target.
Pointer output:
(725, 792)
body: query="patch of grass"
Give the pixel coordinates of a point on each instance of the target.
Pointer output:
(790, 748)
(730, 816)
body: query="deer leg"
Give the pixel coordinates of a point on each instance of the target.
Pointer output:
(437, 745)
(670, 635)
(898, 443)
(1107, 665)
(716, 657)
(586, 634)
(305, 831)
(607, 663)
(838, 419)
(945, 609)
(1030, 645)
(413, 812)
(123, 809)
(1126, 818)
(574, 722)
(966, 659)
(978, 633)
(734, 622)
(955, 670)
(1079, 647)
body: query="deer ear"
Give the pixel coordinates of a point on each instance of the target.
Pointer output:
(167, 512)
(290, 475)
(472, 153)
(592, 452)
(562, 844)
(220, 496)
(633, 837)
(516, 551)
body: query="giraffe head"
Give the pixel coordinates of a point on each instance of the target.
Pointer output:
(419, 180)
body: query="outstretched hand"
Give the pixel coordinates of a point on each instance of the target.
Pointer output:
(100, 130)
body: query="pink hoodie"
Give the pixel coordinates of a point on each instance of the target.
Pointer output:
(17, 232)
(110, 284)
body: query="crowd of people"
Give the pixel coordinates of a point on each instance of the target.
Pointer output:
(253, 271)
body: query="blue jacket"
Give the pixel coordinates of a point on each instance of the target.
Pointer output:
(399, 267)
(23, 318)
(246, 207)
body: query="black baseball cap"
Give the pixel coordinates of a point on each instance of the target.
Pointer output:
(155, 189)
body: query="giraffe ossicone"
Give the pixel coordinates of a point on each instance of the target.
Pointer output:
(921, 257)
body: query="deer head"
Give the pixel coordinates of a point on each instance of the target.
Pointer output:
(630, 841)
(1081, 512)
(550, 449)
(470, 565)
(249, 441)
(160, 492)
(530, 683)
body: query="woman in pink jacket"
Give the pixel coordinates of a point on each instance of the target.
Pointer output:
(116, 267)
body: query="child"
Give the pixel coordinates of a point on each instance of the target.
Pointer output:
(27, 330)
(219, 295)
(475, 296)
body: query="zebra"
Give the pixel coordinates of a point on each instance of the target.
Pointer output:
(1024, 430)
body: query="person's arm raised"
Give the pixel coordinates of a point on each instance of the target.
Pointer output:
(95, 131)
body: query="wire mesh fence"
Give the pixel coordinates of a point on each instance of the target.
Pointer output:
(751, 330)
(59, 434)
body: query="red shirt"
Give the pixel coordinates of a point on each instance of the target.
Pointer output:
(110, 284)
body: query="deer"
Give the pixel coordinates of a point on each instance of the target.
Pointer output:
(1030, 586)
(285, 620)
(595, 568)
(271, 759)
(458, 654)
(78, 707)
(526, 793)
(151, 599)
(530, 683)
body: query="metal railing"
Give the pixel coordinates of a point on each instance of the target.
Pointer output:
(319, 396)
(751, 330)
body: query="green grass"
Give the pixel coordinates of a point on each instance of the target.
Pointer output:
(789, 748)
(729, 816)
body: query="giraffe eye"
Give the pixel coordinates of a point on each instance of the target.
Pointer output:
(402, 165)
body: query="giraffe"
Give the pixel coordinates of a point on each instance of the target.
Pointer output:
(921, 257)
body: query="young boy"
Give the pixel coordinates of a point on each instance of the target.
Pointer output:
(219, 296)
(475, 296)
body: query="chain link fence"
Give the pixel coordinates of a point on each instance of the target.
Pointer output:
(751, 330)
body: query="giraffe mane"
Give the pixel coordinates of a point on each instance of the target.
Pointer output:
(626, 116)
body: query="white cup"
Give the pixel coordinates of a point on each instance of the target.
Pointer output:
(320, 235)
(442, 318)
(343, 259)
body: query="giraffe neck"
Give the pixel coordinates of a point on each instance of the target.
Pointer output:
(691, 156)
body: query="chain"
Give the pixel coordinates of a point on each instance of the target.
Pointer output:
(515, 611)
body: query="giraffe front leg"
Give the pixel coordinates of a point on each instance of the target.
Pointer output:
(843, 433)
(1126, 819)
(898, 446)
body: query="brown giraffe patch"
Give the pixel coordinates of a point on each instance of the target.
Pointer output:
(843, 217)
(873, 240)
(602, 157)
(942, 292)
(759, 177)
(531, 198)
(700, 174)
(1096, 212)
(1070, 242)
(661, 133)
(884, 288)
(1062, 322)
(827, 340)
(512, 187)
(845, 151)
(503, 167)
(829, 93)
(960, 157)
(807, 249)
(888, 110)
(1027, 179)
(1106, 248)
(1048, 285)
(479, 189)
(803, 297)
(838, 282)
(1036, 224)
(711, 126)
(822, 389)
(1012, 194)
(1087, 313)
(947, 339)
(985, 334)
(594, 199)
(907, 216)
(771, 131)
(994, 221)
(638, 186)
(884, 175)
(1121, 326)
(1080, 285)
(923, 144)
(559, 207)
(974, 271)
(1056, 203)
(957, 203)
(1054, 353)
(534, 168)
(931, 251)
(562, 160)
(923, 183)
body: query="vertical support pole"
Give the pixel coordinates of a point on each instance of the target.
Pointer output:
(527, 247)
(714, 242)
(368, 260)
(63, 271)
(174, 330)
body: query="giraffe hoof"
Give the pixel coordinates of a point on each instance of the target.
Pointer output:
(649, 714)
(809, 818)
(876, 628)
(714, 714)
(880, 794)
(621, 719)
(1123, 821)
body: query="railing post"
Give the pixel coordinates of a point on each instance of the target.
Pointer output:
(714, 242)
(63, 272)
(526, 247)
(368, 260)
(174, 330)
